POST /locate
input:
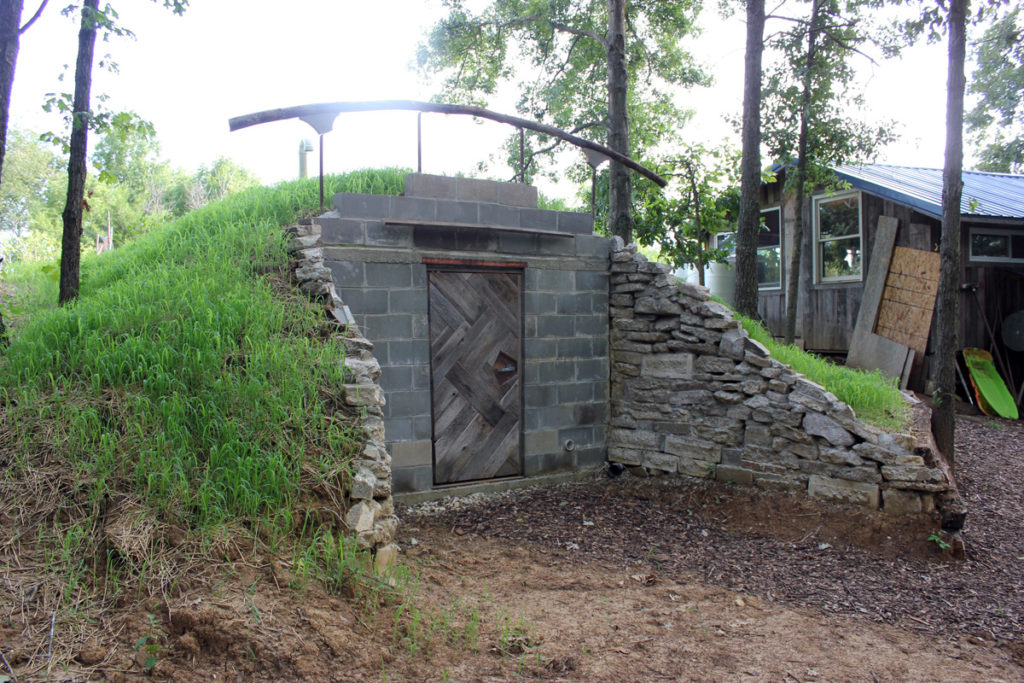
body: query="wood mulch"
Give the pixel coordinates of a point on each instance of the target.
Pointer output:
(788, 549)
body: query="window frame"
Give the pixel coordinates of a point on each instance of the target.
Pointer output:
(782, 260)
(732, 254)
(816, 202)
(993, 231)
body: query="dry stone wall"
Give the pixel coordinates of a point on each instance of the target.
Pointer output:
(371, 511)
(692, 393)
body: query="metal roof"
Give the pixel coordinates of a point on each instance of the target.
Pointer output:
(985, 195)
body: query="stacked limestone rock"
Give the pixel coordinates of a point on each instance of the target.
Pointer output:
(371, 513)
(692, 393)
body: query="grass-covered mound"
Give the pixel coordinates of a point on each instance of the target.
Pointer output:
(874, 396)
(187, 401)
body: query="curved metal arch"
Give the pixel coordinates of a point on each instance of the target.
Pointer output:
(321, 117)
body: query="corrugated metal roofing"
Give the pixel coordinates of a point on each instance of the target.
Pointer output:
(985, 195)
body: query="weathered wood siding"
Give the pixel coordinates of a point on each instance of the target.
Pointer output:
(828, 312)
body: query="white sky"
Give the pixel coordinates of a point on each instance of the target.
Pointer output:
(224, 58)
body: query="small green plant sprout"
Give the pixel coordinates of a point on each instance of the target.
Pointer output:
(150, 643)
(515, 638)
(939, 539)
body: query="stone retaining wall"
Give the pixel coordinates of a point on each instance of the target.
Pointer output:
(692, 393)
(371, 512)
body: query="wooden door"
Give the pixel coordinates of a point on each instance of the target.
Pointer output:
(475, 360)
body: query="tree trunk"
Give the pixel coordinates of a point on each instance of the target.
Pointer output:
(71, 242)
(948, 304)
(620, 210)
(750, 169)
(10, 20)
(793, 285)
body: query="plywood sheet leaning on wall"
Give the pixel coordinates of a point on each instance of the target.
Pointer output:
(908, 299)
(869, 350)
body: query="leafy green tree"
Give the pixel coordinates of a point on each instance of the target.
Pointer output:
(997, 121)
(11, 29)
(556, 52)
(808, 97)
(30, 197)
(699, 202)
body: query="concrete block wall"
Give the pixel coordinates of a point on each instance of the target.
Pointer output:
(378, 268)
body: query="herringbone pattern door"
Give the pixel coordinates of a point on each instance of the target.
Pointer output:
(475, 340)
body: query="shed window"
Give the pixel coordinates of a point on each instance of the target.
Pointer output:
(989, 244)
(769, 249)
(837, 236)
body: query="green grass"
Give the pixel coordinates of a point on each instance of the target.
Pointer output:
(873, 396)
(184, 376)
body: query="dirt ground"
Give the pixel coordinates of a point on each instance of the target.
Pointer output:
(623, 579)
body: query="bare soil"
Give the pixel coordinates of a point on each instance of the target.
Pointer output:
(623, 579)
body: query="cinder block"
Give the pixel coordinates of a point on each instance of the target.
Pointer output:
(594, 325)
(423, 427)
(556, 326)
(364, 301)
(427, 185)
(390, 326)
(410, 479)
(411, 453)
(434, 238)
(475, 190)
(592, 369)
(458, 212)
(575, 392)
(547, 463)
(341, 231)
(540, 419)
(496, 214)
(575, 347)
(517, 243)
(414, 208)
(554, 280)
(590, 458)
(590, 414)
(361, 205)
(407, 300)
(420, 327)
(410, 352)
(541, 442)
(517, 194)
(347, 273)
(536, 349)
(576, 223)
(538, 219)
(396, 378)
(408, 403)
(380, 235)
(570, 303)
(581, 437)
(540, 303)
(592, 246)
(476, 239)
(591, 281)
(549, 245)
(540, 395)
(388, 275)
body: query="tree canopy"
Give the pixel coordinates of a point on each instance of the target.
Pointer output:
(562, 57)
(996, 122)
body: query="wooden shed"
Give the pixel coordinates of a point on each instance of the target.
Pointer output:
(840, 233)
